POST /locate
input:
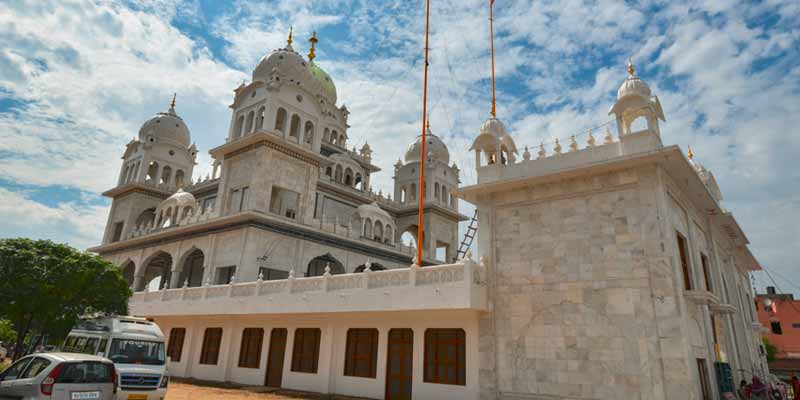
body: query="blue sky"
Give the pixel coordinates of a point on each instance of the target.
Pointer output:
(77, 79)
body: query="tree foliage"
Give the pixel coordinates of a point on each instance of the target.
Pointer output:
(770, 349)
(45, 287)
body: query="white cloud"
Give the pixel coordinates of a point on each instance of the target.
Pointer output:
(78, 225)
(730, 84)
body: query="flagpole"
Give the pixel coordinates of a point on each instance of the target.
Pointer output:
(422, 191)
(491, 35)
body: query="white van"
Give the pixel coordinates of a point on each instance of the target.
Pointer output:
(135, 345)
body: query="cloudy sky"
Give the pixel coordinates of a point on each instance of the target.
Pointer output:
(77, 79)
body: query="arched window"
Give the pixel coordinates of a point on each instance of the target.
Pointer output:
(249, 127)
(337, 176)
(387, 235)
(280, 120)
(187, 212)
(329, 171)
(179, 178)
(294, 129)
(238, 127)
(308, 135)
(444, 194)
(192, 270)
(358, 183)
(167, 220)
(157, 272)
(348, 177)
(413, 194)
(152, 171)
(368, 228)
(262, 113)
(334, 138)
(377, 234)
(436, 190)
(316, 267)
(124, 177)
(166, 175)
(402, 198)
(146, 218)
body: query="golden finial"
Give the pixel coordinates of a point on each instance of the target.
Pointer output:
(428, 123)
(174, 95)
(289, 40)
(630, 68)
(313, 41)
(690, 154)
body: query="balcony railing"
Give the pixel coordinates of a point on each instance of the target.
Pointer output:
(452, 286)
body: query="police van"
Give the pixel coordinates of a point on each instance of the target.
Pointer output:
(135, 346)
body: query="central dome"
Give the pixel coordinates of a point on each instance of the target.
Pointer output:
(290, 67)
(435, 148)
(324, 80)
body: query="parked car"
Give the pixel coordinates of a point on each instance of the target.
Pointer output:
(59, 376)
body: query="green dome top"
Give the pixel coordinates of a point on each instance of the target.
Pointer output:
(324, 80)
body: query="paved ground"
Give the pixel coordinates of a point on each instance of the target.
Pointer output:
(194, 390)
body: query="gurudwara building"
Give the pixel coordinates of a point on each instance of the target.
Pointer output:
(607, 270)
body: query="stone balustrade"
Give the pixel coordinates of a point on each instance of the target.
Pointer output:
(573, 156)
(450, 286)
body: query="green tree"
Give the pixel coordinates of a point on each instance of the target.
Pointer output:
(46, 287)
(770, 349)
(7, 333)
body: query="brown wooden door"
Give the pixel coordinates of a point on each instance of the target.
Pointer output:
(399, 360)
(277, 351)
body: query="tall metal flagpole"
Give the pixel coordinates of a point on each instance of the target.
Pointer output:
(422, 191)
(491, 35)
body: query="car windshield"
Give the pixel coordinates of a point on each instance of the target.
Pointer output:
(129, 351)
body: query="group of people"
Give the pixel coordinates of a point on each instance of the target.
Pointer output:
(757, 390)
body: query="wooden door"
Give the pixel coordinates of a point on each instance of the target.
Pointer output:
(399, 359)
(277, 351)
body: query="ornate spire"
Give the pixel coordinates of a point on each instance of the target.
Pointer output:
(174, 95)
(313, 39)
(690, 154)
(631, 71)
(289, 39)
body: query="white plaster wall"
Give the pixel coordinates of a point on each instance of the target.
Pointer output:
(330, 374)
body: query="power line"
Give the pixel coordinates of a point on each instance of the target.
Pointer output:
(791, 303)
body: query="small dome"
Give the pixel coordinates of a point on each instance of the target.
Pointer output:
(435, 148)
(494, 127)
(325, 82)
(180, 199)
(493, 133)
(633, 86)
(166, 127)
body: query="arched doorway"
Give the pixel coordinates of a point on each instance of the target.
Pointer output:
(372, 267)
(316, 267)
(192, 271)
(128, 272)
(157, 272)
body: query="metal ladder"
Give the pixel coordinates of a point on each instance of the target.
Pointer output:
(468, 237)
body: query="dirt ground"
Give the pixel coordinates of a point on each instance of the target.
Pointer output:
(195, 390)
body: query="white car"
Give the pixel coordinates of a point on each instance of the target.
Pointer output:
(59, 376)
